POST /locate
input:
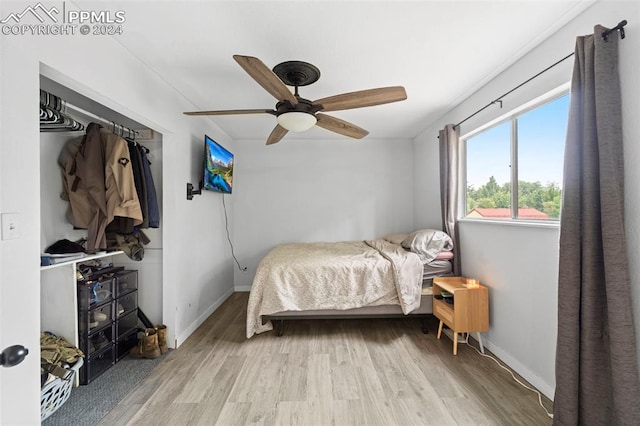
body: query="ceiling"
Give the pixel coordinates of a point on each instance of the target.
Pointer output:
(440, 51)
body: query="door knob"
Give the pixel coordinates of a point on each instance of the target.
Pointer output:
(13, 355)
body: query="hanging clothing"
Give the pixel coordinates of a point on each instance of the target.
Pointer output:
(98, 182)
(83, 176)
(122, 198)
(126, 225)
(152, 200)
(138, 177)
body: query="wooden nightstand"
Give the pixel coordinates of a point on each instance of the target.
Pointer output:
(469, 312)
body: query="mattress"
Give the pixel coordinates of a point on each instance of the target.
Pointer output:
(425, 308)
(437, 268)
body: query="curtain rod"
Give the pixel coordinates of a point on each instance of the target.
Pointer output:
(605, 36)
(59, 104)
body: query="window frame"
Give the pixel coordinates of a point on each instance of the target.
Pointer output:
(511, 116)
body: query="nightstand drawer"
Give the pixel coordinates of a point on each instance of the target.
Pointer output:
(443, 312)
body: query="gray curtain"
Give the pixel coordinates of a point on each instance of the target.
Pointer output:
(596, 368)
(449, 185)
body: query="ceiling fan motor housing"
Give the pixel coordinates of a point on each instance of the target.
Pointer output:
(297, 73)
(303, 105)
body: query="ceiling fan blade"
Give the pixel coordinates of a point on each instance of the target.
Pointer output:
(363, 98)
(265, 78)
(340, 126)
(277, 134)
(232, 112)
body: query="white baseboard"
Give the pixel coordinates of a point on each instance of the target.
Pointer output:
(198, 322)
(242, 288)
(545, 388)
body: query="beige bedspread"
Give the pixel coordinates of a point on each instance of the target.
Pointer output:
(341, 275)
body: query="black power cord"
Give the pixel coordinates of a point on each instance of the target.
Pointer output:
(226, 224)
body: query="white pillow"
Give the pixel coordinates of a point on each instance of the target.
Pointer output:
(427, 243)
(395, 238)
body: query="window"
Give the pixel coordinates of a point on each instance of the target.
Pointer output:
(518, 162)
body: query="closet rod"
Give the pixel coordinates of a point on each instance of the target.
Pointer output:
(498, 100)
(115, 127)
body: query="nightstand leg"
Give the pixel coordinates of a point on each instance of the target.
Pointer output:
(440, 329)
(480, 342)
(455, 343)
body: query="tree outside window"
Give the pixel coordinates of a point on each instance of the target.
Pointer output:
(519, 162)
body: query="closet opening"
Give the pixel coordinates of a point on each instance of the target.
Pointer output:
(61, 306)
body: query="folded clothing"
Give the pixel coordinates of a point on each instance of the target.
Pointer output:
(64, 246)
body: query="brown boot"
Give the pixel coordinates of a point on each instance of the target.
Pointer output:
(162, 337)
(147, 345)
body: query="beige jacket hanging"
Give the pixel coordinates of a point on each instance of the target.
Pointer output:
(122, 198)
(98, 183)
(82, 162)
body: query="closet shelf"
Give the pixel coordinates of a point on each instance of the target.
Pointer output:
(74, 262)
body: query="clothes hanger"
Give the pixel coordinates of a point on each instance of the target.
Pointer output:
(56, 120)
(131, 136)
(53, 114)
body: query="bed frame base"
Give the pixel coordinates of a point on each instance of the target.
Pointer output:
(278, 321)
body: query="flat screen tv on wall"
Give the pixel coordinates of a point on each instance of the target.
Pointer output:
(218, 167)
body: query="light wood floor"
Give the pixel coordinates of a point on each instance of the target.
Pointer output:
(325, 372)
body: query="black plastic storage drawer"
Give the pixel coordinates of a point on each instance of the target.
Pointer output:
(125, 344)
(126, 323)
(126, 304)
(96, 319)
(98, 340)
(96, 364)
(126, 281)
(94, 293)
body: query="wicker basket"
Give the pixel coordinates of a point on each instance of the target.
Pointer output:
(56, 392)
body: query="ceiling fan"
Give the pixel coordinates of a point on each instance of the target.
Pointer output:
(297, 114)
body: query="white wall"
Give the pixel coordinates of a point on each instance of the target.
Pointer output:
(520, 264)
(426, 172)
(318, 190)
(197, 270)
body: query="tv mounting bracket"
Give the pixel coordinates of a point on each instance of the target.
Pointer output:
(191, 192)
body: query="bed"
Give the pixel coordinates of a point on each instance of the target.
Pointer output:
(386, 277)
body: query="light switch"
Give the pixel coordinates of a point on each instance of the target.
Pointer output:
(10, 226)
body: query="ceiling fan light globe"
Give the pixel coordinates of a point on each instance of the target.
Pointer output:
(297, 121)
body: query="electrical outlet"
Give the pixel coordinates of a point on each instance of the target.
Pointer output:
(10, 226)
